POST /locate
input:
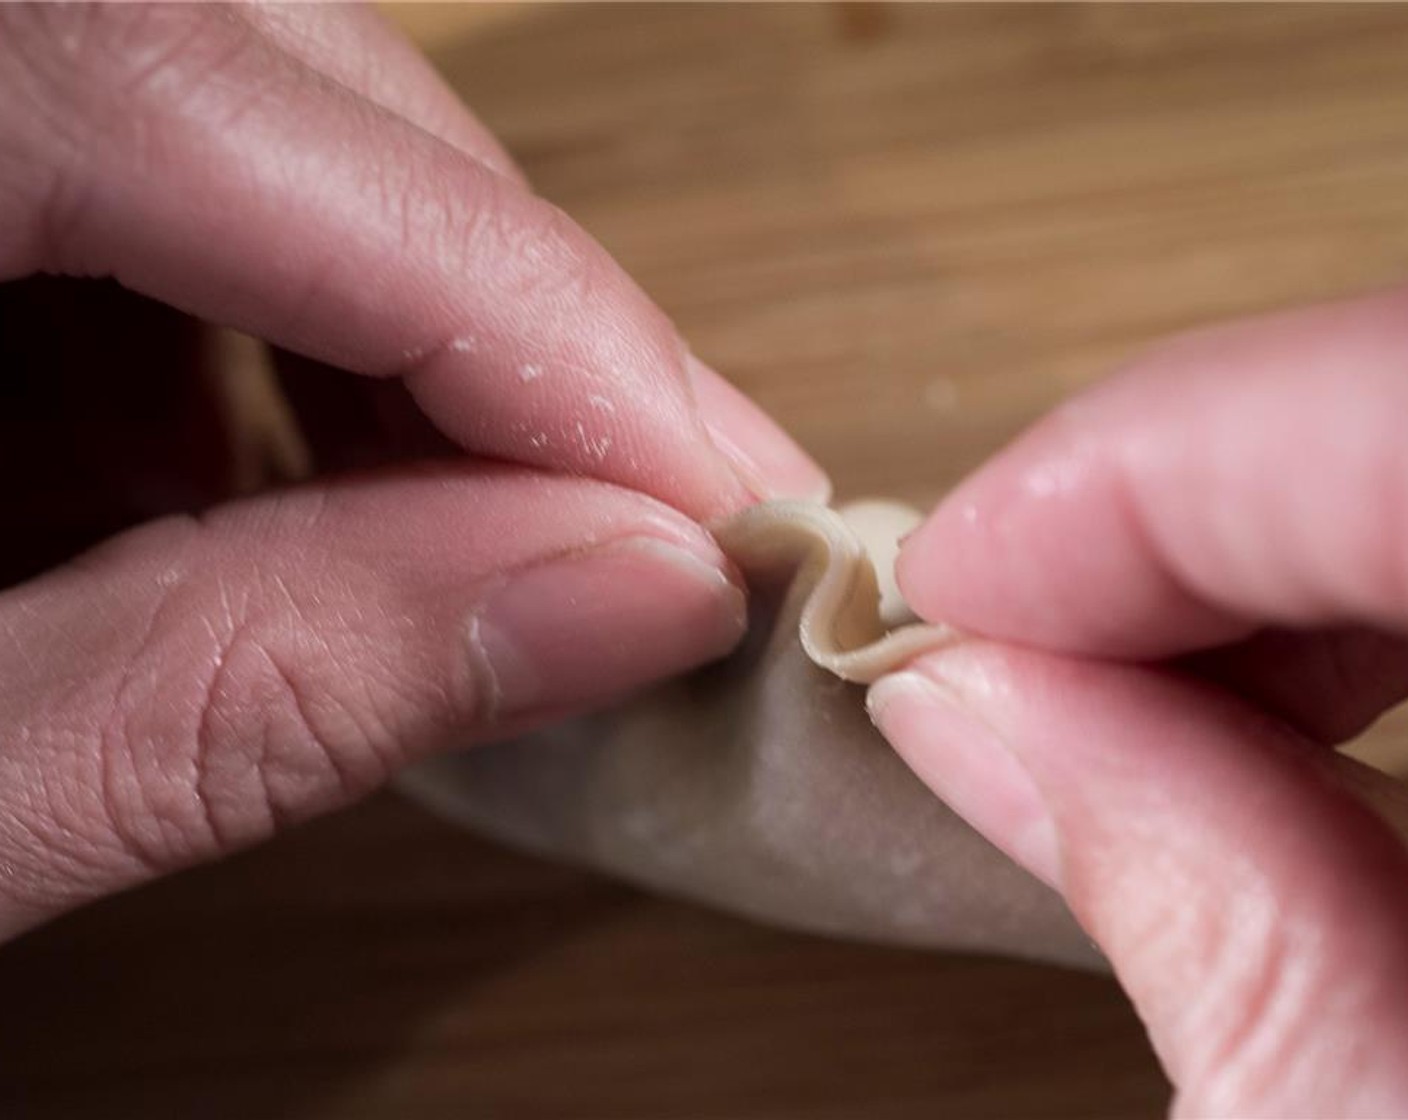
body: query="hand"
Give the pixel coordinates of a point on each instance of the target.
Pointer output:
(301, 174)
(1190, 584)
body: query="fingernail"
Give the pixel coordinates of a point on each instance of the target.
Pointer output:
(765, 458)
(593, 625)
(966, 763)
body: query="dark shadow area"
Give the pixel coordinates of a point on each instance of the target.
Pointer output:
(252, 987)
(382, 964)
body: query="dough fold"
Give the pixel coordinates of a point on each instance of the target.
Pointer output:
(758, 784)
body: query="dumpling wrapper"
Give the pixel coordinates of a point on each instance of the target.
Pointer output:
(759, 784)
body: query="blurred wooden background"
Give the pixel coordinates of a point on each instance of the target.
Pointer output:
(906, 231)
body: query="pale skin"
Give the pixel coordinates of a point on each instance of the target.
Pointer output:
(192, 684)
(1187, 582)
(1190, 584)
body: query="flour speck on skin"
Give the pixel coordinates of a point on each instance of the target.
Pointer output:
(601, 402)
(1054, 480)
(529, 371)
(539, 441)
(465, 344)
(595, 446)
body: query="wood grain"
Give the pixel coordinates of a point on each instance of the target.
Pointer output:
(907, 232)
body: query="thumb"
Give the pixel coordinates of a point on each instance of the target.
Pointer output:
(192, 685)
(1255, 910)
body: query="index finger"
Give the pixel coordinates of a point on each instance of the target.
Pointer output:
(1249, 475)
(176, 150)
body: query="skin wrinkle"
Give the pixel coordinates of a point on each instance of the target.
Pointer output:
(323, 748)
(295, 314)
(571, 282)
(1242, 1025)
(49, 103)
(227, 639)
(372, 729)
(245, 636)
(1277, 1016)
(245, 644)
(61, 860)
(197, 185)
(450, 228)
(47, 838)
(51, 809)
(1205, 1034)
(576, 276)
(234, 633)
(386, 694)
(58, 203)
(165, 55)
(230, 629)
(201, 760)
(263, 762)
(1249, 1058)
(187, 68)
(151, 150)
(437, 218)
(389, 71)
(115, 741)
(407, 203)
(430, 107)
(197, 132)
(447, 232)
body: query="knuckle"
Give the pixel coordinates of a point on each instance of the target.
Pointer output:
(471, 217)
(223, 700)
(556, 257)
(280, 731)
(135, 49)
(531, 248)
(1230, 986)
(100, 89)
(80, 55)
(144, 82)
(233, 717)
(77, 770)
(38, 132)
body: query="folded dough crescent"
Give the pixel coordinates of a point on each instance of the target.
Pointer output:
(759, 784)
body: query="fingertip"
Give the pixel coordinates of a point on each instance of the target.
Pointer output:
(994, 556)
(768, 462)
(1045, 545)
